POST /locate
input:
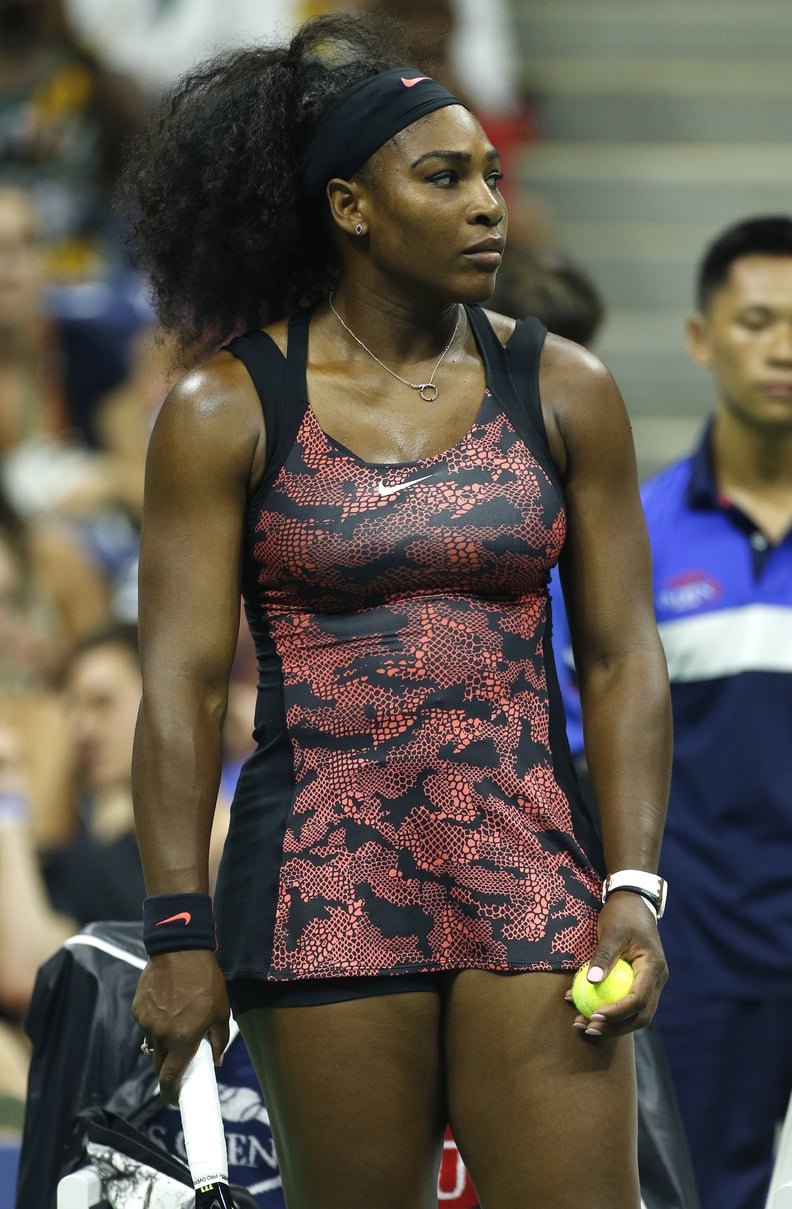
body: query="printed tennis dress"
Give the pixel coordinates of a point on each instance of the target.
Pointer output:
(410, 805)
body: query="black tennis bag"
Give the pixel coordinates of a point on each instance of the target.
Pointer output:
(93, 1098)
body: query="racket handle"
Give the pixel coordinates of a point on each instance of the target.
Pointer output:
(202, 1123)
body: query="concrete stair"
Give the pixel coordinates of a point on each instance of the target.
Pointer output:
(662, 124)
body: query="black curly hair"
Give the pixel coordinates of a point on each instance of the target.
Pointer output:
(211, 187)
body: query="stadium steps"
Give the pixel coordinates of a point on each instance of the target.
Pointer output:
(661, 124)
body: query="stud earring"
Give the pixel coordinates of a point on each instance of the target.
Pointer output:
(359, 229)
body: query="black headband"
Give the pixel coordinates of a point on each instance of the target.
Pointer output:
(361, 119)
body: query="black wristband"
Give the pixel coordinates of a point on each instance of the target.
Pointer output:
(172, 922)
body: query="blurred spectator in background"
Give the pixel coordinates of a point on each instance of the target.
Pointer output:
(30, 931)
(64, 117)
(123, 422)
(97, 874)
(125, 415)
(46, 389)
(54, 369)
(32, 643)
(52, 595)
(32, 403)
(163, 38)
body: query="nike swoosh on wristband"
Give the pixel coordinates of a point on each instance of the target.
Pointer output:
(172, 919)
(413, 82)
(383, 490)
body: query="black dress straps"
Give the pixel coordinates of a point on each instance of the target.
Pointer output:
(512, 374)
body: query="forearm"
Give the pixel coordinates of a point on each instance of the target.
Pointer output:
(30, 931)
(176, 772)
(627, 730)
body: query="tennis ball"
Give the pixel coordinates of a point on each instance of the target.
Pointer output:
(588, 996)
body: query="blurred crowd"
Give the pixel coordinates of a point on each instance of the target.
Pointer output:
(83, 371)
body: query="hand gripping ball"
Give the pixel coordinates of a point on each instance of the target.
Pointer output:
(588, 996)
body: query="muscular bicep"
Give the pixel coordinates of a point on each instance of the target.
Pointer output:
(606, 563)
(199, 469)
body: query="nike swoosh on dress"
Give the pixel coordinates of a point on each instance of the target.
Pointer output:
(414, 81)
(383, 490)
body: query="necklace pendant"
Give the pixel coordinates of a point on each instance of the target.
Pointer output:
(428, 390)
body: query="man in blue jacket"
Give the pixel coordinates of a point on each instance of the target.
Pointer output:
(720, 524)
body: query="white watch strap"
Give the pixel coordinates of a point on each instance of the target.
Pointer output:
(647, 902)
(650, 886)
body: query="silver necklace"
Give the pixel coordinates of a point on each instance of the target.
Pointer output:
(429, 391)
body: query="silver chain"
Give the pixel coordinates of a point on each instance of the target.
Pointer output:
(432, 391)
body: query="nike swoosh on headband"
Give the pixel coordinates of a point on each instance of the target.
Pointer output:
(172, 919)
(383, 490)
(414, 81)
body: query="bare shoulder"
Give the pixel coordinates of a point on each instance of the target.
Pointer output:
(577, 390)
(213, 410)
(565, 364)
(584, 413)
(218, 386)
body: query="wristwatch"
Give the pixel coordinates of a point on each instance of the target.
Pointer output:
(651, 887)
